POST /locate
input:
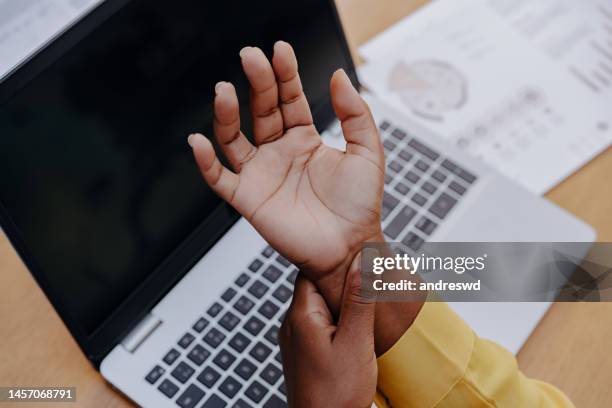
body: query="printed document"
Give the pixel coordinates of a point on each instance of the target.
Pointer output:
(523, 85)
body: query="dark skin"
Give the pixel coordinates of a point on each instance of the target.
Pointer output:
(314, 204)
(329, 364)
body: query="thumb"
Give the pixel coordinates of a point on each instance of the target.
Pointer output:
(358, 307)
(358, 126)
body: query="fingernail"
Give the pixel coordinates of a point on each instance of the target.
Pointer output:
(192, 138)
(218, 86)
(243, 51)
(279, 43)
(343, 73)
(346, 78)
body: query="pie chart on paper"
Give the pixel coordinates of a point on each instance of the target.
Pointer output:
(429, 88)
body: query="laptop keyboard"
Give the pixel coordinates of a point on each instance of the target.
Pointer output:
(230, 357)
(421, 188)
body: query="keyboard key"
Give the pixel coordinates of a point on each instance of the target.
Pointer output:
(255, 265)
(388, 204)
(254, 326)
(155, 374)
(245, 369)
(282, 293)
(282, 388)
(243, 304)
(258, 289)
(396, 166)
(271, 373)
(272, 273)
(406, 155)
(209, 376)
(229, 321)
(182, 372)
(450, 166)
(200, 325)
(275, 402)
(168, 388)
(419, 199)
(424, 149)
(198, 354)
(268, 309)
(171, 356)
(457, 188)
(412, 177)
(438, 176)
(242, 280)
(442, 206)
(260, 351)
(467, 176)
(230, 387)
(214, 402)
(389, 145)
(426, 225)
(398, 133)
(242, 404)
(228, 294)
(256, 391)
(292, 276)
(268, 252)
(190, 397)
(279, 357)
(388, 179)
(224, 359)
(384, 125)
(462, 173)
(402, 188)
(214, 337)
(272, 335)
(428, 187)
(400, 221)
(214, 310)
(421, 165)
(239, 342)
(186, 340)
(413, 241)
(283, 261)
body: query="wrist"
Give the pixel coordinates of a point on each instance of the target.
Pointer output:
(331, 284)
(392, 320)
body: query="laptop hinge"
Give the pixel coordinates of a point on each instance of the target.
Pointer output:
(141, 332)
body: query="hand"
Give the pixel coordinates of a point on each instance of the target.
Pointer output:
(327, 365)
(314, 204)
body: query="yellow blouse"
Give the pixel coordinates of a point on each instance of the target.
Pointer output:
(440, 362)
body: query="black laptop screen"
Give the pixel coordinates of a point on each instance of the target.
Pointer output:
(96, 176)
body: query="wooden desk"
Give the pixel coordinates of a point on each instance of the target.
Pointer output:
(570, 348)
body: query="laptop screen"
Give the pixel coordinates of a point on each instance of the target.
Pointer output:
(96, 178)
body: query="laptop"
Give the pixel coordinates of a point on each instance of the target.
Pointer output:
(168, 292)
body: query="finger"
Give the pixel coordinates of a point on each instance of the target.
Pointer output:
(234, 144)
(357, 309)
(294, 105)
(267, 117)
(221, 180)
(358, 125)
(308, 307)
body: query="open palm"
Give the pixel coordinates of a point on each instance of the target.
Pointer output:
(312, 203)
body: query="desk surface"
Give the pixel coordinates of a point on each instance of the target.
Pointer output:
(570, 347)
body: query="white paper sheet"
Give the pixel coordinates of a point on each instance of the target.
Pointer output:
(525, 86)
(28, 25)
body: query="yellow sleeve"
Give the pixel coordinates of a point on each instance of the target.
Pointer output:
(440, 362)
